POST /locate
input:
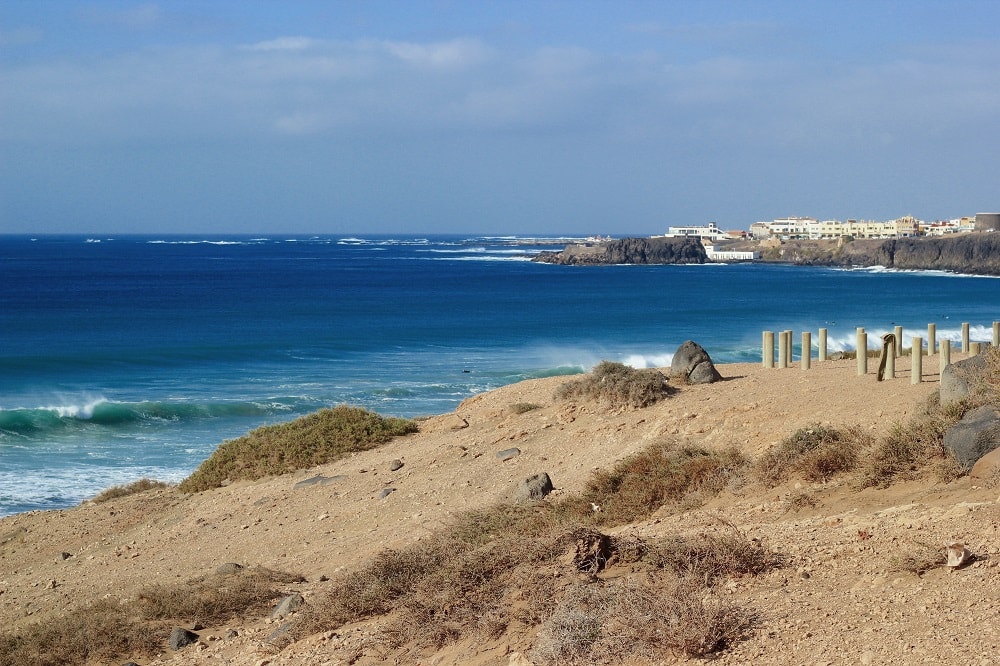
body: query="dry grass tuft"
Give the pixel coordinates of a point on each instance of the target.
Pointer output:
(602, 624)
(922, 558)
(662, 474)
(315, 439)
(710, 556)
(908, 449)
(140, 486)
(524, 407)
(110, 630)
(815, 452)
(617, 386)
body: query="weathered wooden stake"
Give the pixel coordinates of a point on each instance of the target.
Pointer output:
(945, 354)
(782, 350)
(931, 339)
(788, 348)
(899, 340)
(965, 338)
(975, 348)
(768, 349)
(862, 352)
(822, 344)
(806, 350)
(996, 334)
(916, 360)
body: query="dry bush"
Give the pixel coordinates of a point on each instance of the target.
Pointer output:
(524, 407)
(314, 439)
(109, 630)
(660, 475)
(816, 452)
(922, 558)
(710, 556)
(140, 486)
(602, 624)
(908, 449)
(617, 386)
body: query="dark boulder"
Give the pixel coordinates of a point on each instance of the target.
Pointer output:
(974, 436)
(181, 637)
(692, 363)
(535, 487)
(288, 604)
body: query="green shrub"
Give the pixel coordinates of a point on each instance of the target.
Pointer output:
(618, 386)
(140, 486)
(315, 439)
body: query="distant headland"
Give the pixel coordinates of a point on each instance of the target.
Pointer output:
(972, 248)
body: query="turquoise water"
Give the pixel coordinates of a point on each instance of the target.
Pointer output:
(136, 356)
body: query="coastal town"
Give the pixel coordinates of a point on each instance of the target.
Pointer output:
(773, 233)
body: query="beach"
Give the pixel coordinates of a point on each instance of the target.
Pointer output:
(832, 601)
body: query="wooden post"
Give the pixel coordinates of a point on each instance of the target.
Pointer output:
(996, 334)
(899, 340)
(931, 339)
(768, 349)
(788, 348)
(862, 352)
(965, 338)
(890, 364)
(916, 360)
(974, 348)
(806, 359)
(945, 354)
(822, 344)
(782, 350)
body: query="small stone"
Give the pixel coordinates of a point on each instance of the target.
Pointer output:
(288, 604)
(228, 568)
(385, 492)
(395, 465)
(507, 454)
(65, 556)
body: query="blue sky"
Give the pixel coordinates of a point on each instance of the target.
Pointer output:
(542, 117)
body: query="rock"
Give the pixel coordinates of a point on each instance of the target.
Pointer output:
(385, 492)
(181, 637)
(977, 434)
(279, 633)
(659, 250)
(288, 604)
(961, 378)
(395, 465)
(507, 454)
(693, 364)
(228, 568)
(65, 556)
(318, 480)
(535, 487)
(987, 467)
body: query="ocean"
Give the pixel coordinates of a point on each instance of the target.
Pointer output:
(129, 357)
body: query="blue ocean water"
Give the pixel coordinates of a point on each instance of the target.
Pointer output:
(136, 356)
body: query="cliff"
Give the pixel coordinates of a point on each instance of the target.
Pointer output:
(629, 251)
(976, 253)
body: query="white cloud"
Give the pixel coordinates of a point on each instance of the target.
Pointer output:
(284, 44)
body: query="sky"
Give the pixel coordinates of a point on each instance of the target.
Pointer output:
(539, 117)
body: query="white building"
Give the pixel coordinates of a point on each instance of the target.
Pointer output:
(710, 232)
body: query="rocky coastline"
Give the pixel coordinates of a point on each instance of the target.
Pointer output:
(973, 254)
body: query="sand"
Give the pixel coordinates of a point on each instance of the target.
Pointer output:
(834, 601)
